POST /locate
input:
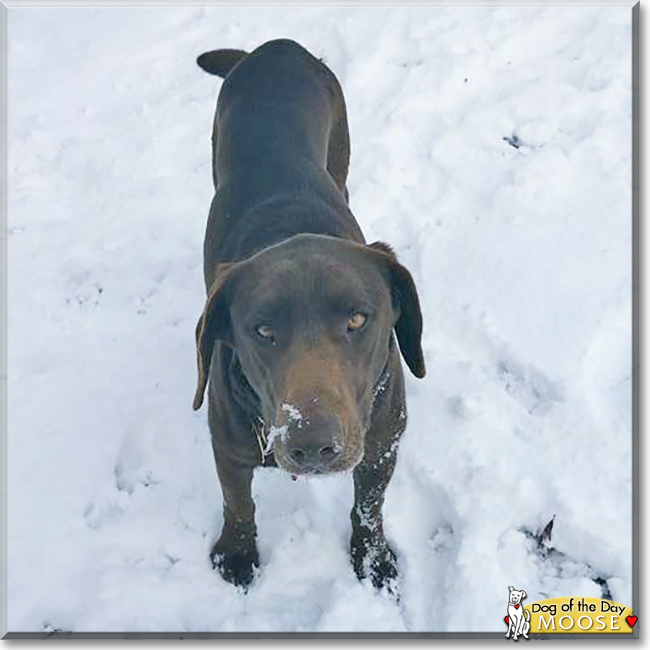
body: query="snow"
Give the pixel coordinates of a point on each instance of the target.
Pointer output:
(491, 148)
(293, 414)
(275, 432)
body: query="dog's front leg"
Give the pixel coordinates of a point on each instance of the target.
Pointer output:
(371, 555)
(235, 554)
(520, 625)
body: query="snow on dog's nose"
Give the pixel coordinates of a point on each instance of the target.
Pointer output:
(312, 439)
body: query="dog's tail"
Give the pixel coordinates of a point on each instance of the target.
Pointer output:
(220, 62)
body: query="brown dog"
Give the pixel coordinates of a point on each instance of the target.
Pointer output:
(295, 343)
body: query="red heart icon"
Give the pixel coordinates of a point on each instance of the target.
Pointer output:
(507, 620)
(631, 620)
(516, 606)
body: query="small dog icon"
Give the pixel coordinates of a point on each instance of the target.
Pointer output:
(518, 617)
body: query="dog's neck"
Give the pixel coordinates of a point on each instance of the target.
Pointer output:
(242, 391)
(380, 386)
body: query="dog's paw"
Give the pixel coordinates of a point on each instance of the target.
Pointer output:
(238, 568)
(376, 562)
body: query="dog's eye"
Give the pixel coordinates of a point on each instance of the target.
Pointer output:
(264, 331)
(356, 320)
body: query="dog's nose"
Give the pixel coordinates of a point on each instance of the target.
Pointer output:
(313, 456)
(315, 445)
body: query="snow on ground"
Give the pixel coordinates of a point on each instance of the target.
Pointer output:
(491, 147)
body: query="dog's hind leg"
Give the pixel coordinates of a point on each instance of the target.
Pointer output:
(220, 63)
(338, 150)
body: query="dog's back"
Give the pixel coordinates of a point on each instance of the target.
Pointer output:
(280, 150)
(277, 104)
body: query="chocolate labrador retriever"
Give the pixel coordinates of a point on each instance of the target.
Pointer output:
(295, 343)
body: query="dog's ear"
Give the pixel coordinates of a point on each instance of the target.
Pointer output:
(510, 588)
(523, 594)
(214, 325)
(409, 323)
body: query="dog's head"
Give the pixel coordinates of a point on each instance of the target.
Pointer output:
(516, 596)
(311, 321)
